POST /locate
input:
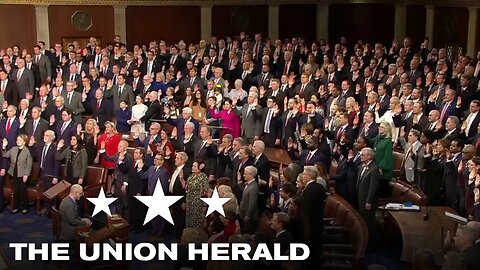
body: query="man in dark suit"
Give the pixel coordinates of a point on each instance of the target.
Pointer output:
(448, 107)
(34, 127)
(313, 196)
(176, 188)
(290, 120)
(304, 89)
(9, 88)
(72, 75)
(24, 78)
(101, 109)
(451, 174)
(136, 186)
(279, 225)
(49, 172)
(206, 151)
(154, 111)
(70, 219)
(471, 120)
(344, 130)
(452, 131)
(34, 68)
(176, 60)
(239, 164)
(152, 139)
(43, 63)
(311, 116)
(311, 155)
(44, 102)
(179, 123)
(261, 162)
(10, 127)
(154, 174)
(368, 128)
(272, 123)
(150, 66)
(224, 156)
(368, 182)
(123, 165)
(66, 128)
(263, 79)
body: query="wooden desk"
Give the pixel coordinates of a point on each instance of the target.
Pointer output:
(117, 230)
(418, 234)
(277, 156)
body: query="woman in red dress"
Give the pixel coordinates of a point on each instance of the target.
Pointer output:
(110, 139)
(166, 148)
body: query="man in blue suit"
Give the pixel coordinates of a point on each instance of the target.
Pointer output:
(154, 174)
(9, 129)
(153, 138)
(66, 128)
(180, 123)
(49, 172)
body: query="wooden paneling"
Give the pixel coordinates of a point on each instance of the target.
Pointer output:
(450, 27)
(169, 23)
(368, 22)
(231, 20)
(18, 26)
(416, 20)
(59, 18)
(297, 20)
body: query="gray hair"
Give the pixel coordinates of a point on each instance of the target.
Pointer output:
(311, 171)
(454, 119)
(183, 156)
(252, 169)
(368, 151)
(187, 110)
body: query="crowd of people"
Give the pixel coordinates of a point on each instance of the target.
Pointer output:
(351, 104)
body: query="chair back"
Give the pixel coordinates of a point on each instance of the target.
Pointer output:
(56, 223)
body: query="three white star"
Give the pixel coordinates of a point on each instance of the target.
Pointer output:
(158, 204)
(215, 203)
(101, 203)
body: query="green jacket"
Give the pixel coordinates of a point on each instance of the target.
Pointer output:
(383, 148)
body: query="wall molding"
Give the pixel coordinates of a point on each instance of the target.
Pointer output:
(456, 3)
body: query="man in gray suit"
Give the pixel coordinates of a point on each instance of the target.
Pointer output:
(70, 219)
(251, 127)
(73, 101)
(43, 63)
(24, 78)
(120, 91)
(249, 203)
(413, 159)
(368, 181)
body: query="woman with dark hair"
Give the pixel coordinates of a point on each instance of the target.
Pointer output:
(230, 120)
(196, 187)
(166, 148)
(76, 160)
(21, 163)
(199, 106)
(473, 183)
(435, 159)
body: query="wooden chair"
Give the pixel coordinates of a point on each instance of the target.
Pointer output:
(56, 223)
(35, 192)
(8, 190)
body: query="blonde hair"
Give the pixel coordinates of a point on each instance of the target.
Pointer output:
(94, 125)
(388, 129)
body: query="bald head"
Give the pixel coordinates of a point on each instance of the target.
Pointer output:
(76, 191)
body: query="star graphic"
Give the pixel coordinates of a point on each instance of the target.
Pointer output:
(102, 203)
(158, 204)
(215, 203)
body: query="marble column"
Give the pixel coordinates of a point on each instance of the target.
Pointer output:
(273, 21)
(43, 30)
(472, 31)
(120, 21)
(429, 24)
(400, 22)
(206, 22)
(322, 21)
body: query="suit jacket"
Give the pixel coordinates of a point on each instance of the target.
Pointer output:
(70, 219)
(289, 125)
(251, 121)
(154, 111)
(14, 131)
(24, 162)
(473, 127)
(275, 128)
(75, 105)
(145, 144)
(78, 158)
(127, 94)
(249, 203)
(49, 110)
(50, 165)
(36, 73)
(44, 67)
(261, 80)
(314, 197)
(26, 83)
(409, 163)
(372, 130)
(179, 123)
(11, 94)
(66, 135)
(153, 176)
(367, 185)
(263, 167)
(307, 93)
(208, 154)
(104, 113)
(28, 129)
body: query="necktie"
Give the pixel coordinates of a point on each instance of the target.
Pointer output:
(309, 157)
(3, 86)
(339, 133)
(9, 124)
(256, 51)
(72, 77)
(120, 89)
(289, 115)
(69, 97)
(64, 126)
(264, 78)
(44, 153)
(444, 111)
(35, 123)
(37, 58)
(363, 171)
(267, 121)
(19, 75)
(105, 70)
(98, 105)
(302, 89)
(244, 74)
(285, 70)
(192, 80)
(173, 60)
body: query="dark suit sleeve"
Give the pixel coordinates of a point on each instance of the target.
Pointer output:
(374, 184)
